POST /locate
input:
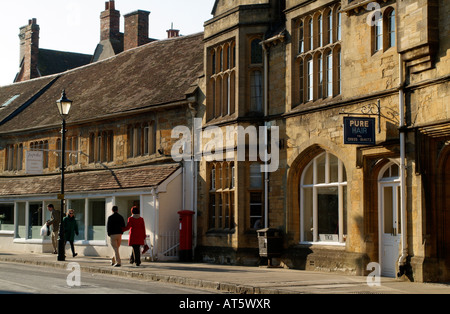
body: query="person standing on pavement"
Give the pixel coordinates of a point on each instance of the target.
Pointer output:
(136, 225)
(54, 221)
(70, 230)
(114, 228)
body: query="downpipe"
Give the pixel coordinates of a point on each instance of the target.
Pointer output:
(404, 239)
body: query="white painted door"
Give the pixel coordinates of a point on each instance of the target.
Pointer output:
(389, 227)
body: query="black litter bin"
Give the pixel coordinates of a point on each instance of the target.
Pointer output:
(270, 243)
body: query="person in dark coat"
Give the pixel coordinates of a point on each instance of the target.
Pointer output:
(70, 229)
(137, 236)
(114, 228)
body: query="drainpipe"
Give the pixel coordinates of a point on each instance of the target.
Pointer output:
(404, 242)
(193, 109)
(267, 125)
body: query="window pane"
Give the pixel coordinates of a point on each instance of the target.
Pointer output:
(21, 226)
(392, 29)
(256, 51)
(301, 43)
(256, 210)
(256, 91)
(388, 209)
(212, 210)
(320, 76)
(308, 177)
(79, 208)
(35, 220)
(308, 214)
(255, 176)
(302, 82)
(310, 80)
(7, 217)
(334, 167)
(328, 214)
(96, 220)
(330, 75)
(320, 163)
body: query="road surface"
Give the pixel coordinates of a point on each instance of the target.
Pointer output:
(30, 279)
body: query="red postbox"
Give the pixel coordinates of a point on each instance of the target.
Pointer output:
(186, 235)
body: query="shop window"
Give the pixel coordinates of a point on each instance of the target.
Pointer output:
(96, 219)
(80, 216)
(323, 200)
(6, 217)
(21, 228)
(35, 220)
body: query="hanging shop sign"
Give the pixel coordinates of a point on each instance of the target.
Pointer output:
(359, 131)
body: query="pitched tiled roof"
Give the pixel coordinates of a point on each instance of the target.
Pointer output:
(102, 180)
(153, 74)
(53, 61)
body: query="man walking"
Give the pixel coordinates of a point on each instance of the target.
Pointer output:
(114, 228)
(55, 221)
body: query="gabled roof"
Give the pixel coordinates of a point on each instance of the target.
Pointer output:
(150, 75)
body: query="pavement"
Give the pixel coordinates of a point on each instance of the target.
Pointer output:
(235, 279)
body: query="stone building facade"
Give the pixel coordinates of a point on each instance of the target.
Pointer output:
(289, 75)
(339, 206)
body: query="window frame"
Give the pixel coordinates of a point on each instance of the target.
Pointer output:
(340, 184)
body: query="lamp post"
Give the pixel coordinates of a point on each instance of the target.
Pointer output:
(63, 105)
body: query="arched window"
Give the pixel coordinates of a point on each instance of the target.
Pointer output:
(311, 34)
(338, 24)
(391, 29)
(330, 26)
(320, 31)
(378, 34)
(323, 200)
(301, 39)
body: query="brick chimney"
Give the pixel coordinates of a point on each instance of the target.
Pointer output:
(171, 33)
(136, 29)
(29, 51)
(110, 22)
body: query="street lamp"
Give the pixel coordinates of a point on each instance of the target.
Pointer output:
(63, 105)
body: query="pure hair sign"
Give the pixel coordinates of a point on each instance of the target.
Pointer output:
(359, 131)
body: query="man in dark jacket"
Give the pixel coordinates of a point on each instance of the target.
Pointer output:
(114, 229)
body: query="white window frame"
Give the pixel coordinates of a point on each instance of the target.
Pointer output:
(341, 184)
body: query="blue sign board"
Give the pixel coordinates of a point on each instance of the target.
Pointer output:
(359, 131)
